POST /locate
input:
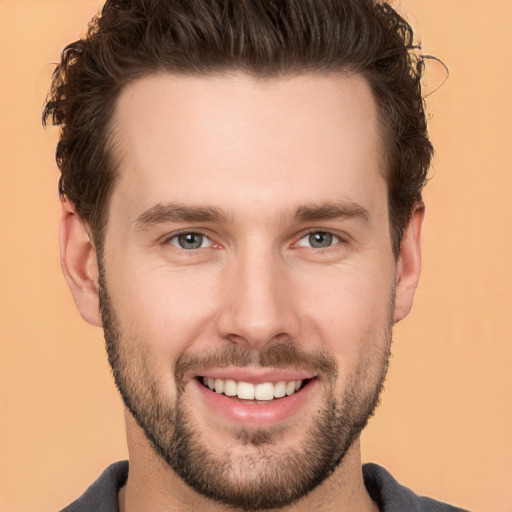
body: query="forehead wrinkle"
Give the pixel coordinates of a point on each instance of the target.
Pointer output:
(172, 212)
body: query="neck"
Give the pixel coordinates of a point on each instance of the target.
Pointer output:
(152, 485)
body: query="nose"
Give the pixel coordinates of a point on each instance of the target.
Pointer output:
(258, 303)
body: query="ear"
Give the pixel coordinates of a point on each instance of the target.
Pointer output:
(409, 264)
(79, 263)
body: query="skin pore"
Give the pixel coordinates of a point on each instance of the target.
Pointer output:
(247, 240)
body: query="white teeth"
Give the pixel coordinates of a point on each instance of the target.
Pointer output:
(280, 389)
(290, 388)
(230, 387)
(264, 391)
(219, 386)
(245, 390)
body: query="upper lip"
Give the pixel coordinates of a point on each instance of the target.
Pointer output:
(253, 375)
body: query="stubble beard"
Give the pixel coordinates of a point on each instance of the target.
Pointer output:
(261, 479)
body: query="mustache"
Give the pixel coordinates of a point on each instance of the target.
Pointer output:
(279, 355)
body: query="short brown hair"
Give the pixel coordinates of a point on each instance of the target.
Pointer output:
(130, 39)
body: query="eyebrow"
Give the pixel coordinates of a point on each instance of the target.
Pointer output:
(332, 211)
(162, 213)
(170, 212)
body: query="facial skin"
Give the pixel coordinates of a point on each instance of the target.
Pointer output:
(248, 239)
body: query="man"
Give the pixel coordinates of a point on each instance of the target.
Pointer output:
(241, 213)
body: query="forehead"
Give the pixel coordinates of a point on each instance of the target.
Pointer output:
(233, 140)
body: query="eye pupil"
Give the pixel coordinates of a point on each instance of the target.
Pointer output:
(320, 239)
(190, 240)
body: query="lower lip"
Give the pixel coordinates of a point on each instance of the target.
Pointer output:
(276, 411)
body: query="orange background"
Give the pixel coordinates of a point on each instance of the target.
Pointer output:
(445, 423)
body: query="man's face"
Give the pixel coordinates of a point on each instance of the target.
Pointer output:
(248, 250)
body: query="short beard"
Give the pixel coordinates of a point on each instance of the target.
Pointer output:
(269, 480)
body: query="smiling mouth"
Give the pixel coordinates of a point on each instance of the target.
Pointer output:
(263, 392)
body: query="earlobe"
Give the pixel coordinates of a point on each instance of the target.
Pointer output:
(409, 264)
(79, 263)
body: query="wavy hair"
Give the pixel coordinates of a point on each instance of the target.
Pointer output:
(130, 39)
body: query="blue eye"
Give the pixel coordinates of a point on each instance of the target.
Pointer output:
(190, 241)
(318, 240)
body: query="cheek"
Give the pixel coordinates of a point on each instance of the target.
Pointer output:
(168, 310)
(350, 310)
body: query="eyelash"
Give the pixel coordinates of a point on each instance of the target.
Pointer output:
(168, 240)
(336, 240)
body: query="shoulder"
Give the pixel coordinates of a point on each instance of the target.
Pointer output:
(391, 496)
(101, 496)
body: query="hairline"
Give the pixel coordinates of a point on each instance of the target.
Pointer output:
(112, 146)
